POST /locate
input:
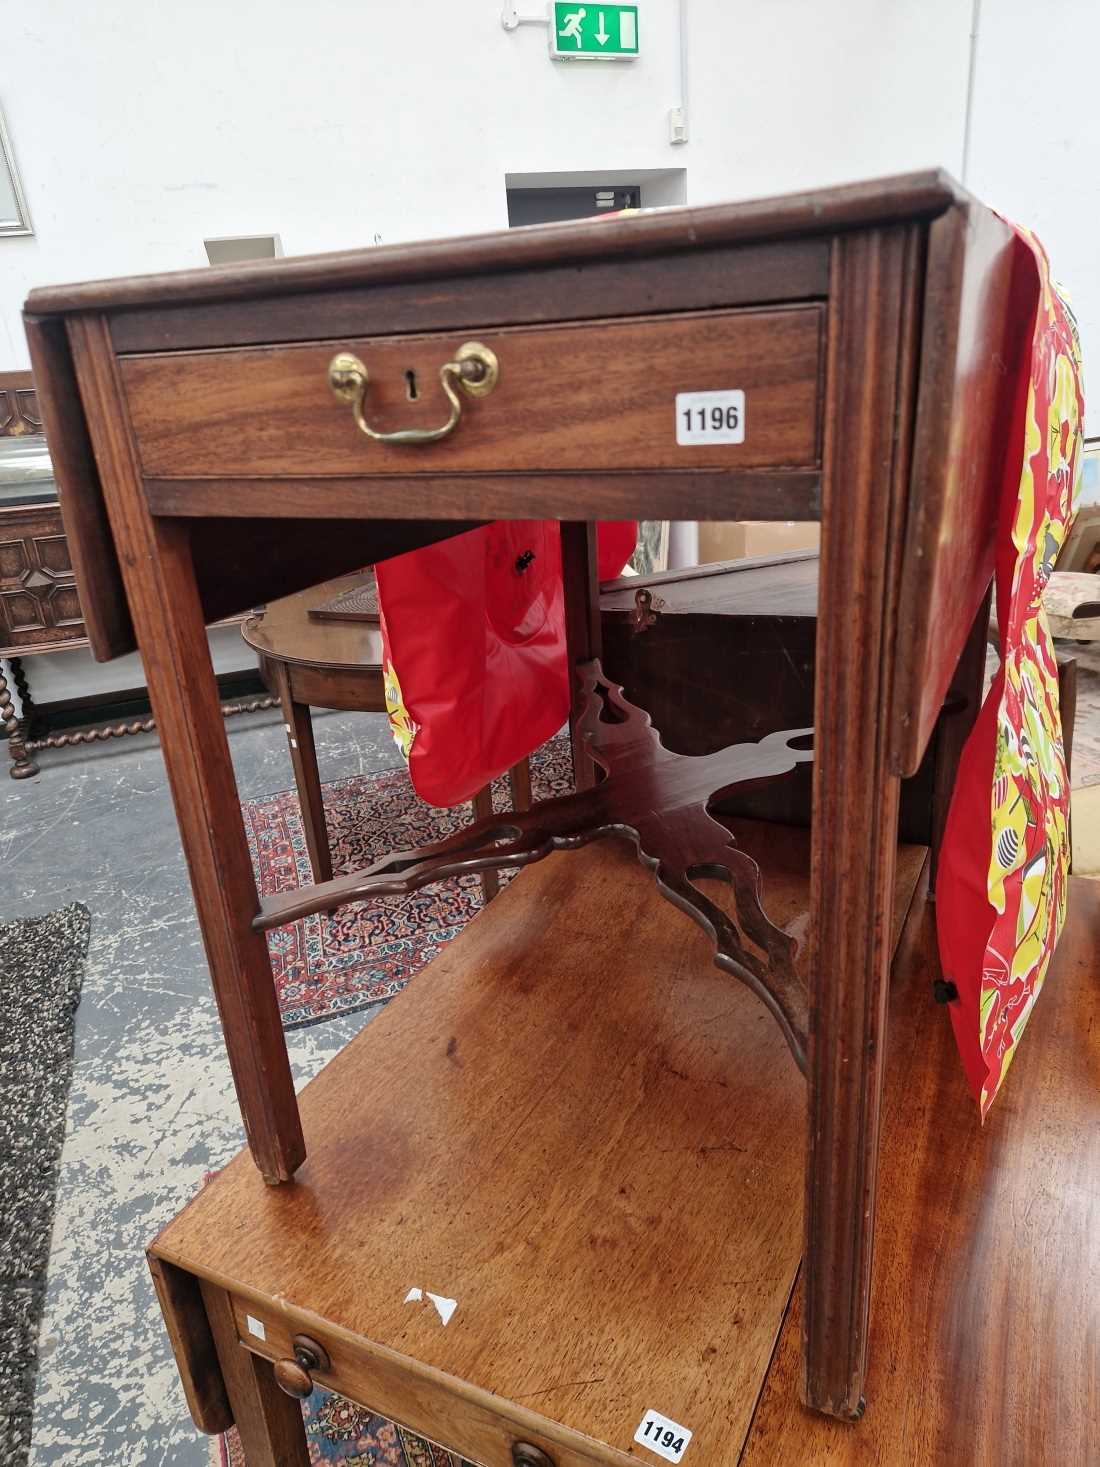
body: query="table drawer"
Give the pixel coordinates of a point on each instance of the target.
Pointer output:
(418, 1397)
(600, 396)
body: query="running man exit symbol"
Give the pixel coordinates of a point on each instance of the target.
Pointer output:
(593, 32)
(572, 27)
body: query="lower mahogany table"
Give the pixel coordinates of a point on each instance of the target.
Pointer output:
(571, 1124)
(597, 1156)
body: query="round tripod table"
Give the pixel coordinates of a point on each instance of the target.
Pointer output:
(334, 663)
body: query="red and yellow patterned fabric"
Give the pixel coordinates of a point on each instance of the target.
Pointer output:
(1001, 887)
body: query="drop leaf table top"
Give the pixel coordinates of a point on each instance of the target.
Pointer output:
(216, 450)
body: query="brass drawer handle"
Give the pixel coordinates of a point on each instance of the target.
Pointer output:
(293, 1376)
(475, 369)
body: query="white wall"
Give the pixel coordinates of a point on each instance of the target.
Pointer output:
(142, 126)
(1035, 144)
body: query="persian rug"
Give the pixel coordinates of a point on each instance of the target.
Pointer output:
(337, 1431)
(41, 972)
(366, 952)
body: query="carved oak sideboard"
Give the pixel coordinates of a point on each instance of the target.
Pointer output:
(39, 602)
(39, 605)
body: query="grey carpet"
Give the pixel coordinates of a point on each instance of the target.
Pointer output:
(41, 970)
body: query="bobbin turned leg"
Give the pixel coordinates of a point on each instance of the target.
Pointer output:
(33, 722)
(22, 766)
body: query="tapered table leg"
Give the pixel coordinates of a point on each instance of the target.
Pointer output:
(269, 1421)
(519, 778)
(855, 801)
(307, 778)
(483, 808)
(164, 601)
(583, 633)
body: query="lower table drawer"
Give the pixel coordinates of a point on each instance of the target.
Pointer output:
(425, 1400)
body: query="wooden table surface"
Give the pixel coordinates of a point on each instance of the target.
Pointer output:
(598, 1278)
(286, 631)
(577, 1127)
(985, 1335)
(759, 585)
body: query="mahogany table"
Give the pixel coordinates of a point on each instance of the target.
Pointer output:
(216, 434)
(306, 661)
(662, 1274)
(611, 1197)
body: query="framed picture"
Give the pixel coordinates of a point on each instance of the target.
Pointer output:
(14, 218)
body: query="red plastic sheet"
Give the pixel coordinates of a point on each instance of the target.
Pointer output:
(473, 632)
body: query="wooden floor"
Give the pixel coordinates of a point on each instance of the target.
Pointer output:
(592, 1140)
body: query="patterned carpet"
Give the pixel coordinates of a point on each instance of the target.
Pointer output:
(367, 952)
(41, 973)
(337, 1431)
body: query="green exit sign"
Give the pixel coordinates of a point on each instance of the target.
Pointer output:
(593, 32)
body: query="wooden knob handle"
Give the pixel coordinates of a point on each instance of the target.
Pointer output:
(293, 1376)
(525, 1455)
